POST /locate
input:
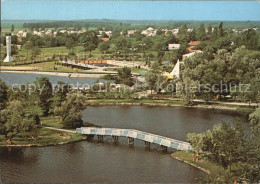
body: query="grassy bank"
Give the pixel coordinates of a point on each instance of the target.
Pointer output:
(168, 102)
(49, 67)
(46, 137)
(203, 164)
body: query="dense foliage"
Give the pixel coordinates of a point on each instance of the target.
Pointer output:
(230, 147)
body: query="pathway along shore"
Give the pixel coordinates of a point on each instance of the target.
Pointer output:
(59, 74)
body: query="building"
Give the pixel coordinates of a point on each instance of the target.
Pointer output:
(21, 34)
(175, 32)
(174, 46)
(185, 56)
(194, 43)
(175, 72)
(130, 32)
(192, 46)
(149, 32)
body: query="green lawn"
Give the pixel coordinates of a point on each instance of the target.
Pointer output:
(49, 66)
(46, 137)
(203, 163)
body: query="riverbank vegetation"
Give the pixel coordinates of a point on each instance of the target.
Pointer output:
(44, 137)
(26, 114)
(228, 152)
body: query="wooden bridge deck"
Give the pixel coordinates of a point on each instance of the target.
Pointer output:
(136, 134)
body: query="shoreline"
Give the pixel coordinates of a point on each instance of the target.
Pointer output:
(148, 104)
(151, 104)
(40, 145)
(191, 164)
(59, 74)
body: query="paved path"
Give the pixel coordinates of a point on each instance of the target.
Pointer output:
(59, 129)
(228, 103)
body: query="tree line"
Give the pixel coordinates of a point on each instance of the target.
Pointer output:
(137, 46)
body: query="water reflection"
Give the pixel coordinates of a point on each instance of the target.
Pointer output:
(13, 78)
(88, 162)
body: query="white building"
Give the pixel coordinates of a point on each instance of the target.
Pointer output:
(174, 46)
(185, 56)
(149, 32)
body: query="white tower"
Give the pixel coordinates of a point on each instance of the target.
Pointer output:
(8, 50)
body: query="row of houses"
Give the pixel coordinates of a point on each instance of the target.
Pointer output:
(149, 32)
(49, 32)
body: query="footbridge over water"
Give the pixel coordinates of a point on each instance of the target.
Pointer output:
(132, 134)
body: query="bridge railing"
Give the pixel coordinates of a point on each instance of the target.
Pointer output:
(136, 134)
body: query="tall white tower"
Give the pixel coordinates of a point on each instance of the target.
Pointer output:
(8, 50)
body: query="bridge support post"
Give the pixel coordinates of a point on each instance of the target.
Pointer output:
(100, 138)
(163, 148)
(147, 145)
(131, 141)
(90, 137)
(115, 139)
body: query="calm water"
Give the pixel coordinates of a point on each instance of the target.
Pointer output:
(174, 122)
(93, 162)
(13, 78)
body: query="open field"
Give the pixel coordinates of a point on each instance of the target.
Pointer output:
(51, 67)
(133, 70)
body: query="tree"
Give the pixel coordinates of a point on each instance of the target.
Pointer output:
(221, 29)
(122, 44)
(255, 123)
(90, 41)
(104, 35)
(14, 120)
(214, 34)
(12, 28)
(183, 30)
(103, 46)
(200, 33)
(154, 79)
(225, 145)
(70, 43)
(249, 38)
(61, 91)
(44, 93)
(209, 30)
(3, 94)
(124, 76)
(35, 51)
(14, 39)
(70, 111)
(28, 46)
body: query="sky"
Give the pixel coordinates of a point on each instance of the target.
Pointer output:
(129, 10)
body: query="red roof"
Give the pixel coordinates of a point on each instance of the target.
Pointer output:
(105, 39)
(190, 50)
(194, 43)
